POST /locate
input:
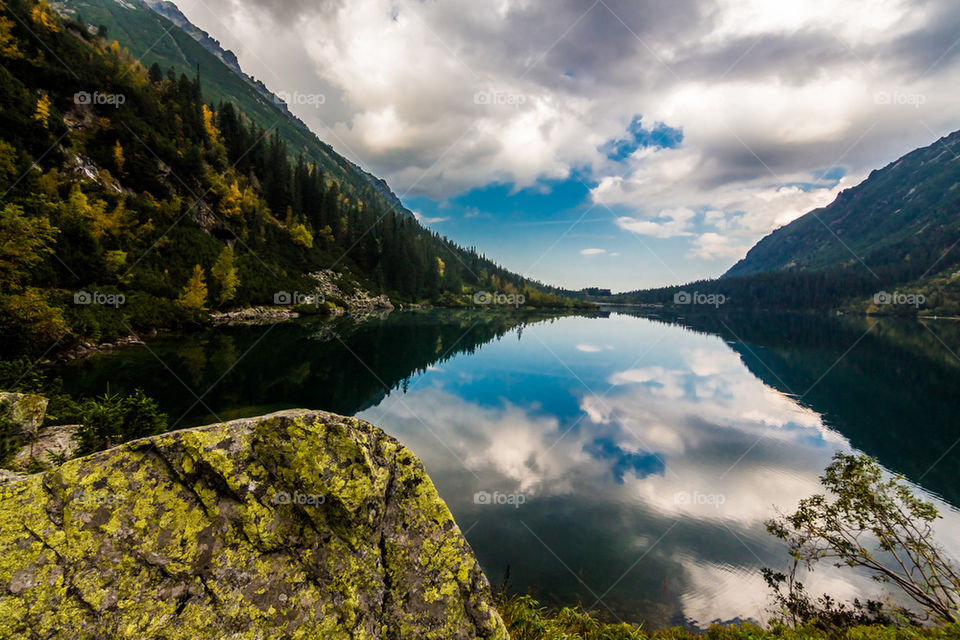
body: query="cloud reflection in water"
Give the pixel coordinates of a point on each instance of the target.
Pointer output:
(672, 459)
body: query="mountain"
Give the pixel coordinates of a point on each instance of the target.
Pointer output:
(132, 203)
(172, 13)
(156, 32)
(898, 223)
(890, 246)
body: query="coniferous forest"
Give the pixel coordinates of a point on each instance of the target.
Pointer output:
(122, 186)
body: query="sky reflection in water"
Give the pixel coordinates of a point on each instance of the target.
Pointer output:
(648, 457)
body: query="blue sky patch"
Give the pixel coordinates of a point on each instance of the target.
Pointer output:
(660, 135)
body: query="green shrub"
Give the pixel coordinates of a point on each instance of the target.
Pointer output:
(527, 619)
(9, 443)
(111, 420)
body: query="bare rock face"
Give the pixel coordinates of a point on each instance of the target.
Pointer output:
(51, 443)
(298, 524)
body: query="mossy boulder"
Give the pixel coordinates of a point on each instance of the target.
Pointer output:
(24, 410)
(295, 525)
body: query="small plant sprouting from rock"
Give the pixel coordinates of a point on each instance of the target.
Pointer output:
(872, 521)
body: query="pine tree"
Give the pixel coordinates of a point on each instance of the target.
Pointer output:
(225, 273)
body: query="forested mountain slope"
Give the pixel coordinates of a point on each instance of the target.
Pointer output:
(898, 222)
(129, 202)
(890, 245)
(145, 29)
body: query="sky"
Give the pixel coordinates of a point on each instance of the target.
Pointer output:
(615, 143)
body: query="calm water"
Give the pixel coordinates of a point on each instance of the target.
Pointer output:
(621, 461)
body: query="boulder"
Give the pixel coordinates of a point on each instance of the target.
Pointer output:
(26, 411)
(300, 524)
(51, 443)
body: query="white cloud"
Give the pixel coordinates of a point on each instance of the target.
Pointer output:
(667, 224)
(766, 94)
(427, 220)
(711, 246)
(592, 252)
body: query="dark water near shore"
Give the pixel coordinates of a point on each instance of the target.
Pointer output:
(621, 461)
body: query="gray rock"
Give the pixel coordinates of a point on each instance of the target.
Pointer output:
(26, 411)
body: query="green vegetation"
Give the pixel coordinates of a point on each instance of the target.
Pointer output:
(780, 290)
(526, 619)
(900, 222)
(21, 375)
(130, 204)
(873, 522)
(104, 422)
(112, 420)
(152, 39)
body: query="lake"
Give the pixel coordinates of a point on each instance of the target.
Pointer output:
(625, 460)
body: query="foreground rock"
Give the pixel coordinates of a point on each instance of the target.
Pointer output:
(294, 525)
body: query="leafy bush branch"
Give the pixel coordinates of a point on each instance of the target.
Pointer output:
(869, 520)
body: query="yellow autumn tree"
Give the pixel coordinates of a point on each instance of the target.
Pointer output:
(116, 221)
(326, 235)
(47, 184)
(224, 271)
(42, 114)
(194, 296)
(8, 43)
(118, 158)
(100, 220)
(250, 203)
(42, 16)
(208, 123)
(301, 236)
(230, 203)
(116, 260)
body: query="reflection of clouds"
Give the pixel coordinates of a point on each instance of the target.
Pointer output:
(657, 380)
(720, 591)
(710, 362)
(694, 437)
(592, 348)
(702, 419)
(508, 442)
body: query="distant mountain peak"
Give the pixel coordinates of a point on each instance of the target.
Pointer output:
(171, 12)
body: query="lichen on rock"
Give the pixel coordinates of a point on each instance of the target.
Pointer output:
(299, 524)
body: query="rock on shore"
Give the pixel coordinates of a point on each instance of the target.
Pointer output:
(299, 524)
